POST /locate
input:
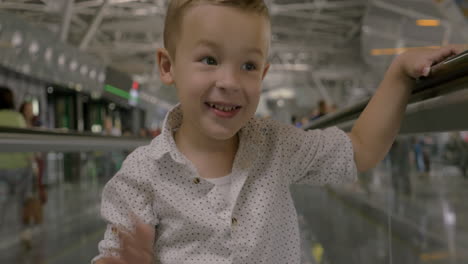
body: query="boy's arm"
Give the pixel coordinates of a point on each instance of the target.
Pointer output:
(376, 128)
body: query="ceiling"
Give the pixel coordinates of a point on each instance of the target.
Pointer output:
(317, 47)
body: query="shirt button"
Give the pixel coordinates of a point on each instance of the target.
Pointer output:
(234, 221)
(196, 180)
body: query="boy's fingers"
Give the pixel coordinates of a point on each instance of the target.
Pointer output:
(458, 48)
(438, 57)
(126, 240)
(123, 234)
(144, 232)
(134, 255)
(132, 244)
(443, 54)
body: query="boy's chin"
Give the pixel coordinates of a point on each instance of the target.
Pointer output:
(222, 134)
(219, 132)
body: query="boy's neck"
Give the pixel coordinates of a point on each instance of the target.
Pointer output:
(212, 158)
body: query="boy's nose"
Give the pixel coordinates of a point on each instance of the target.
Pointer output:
(228, 80)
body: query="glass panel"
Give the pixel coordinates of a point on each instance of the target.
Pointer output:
(410, 209)
(69, 200)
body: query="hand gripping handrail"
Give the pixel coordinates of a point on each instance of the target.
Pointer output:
(438, 103)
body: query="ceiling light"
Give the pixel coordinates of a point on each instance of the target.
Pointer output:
(17, 39)
(280, 103)
(428, 22)
(48, 54)
(395, 51)
(121, 1)
(73, 65)
(61, 59)
(282, 93)
(34, 47)
(92, 74)
(102, 77)
(84, 69)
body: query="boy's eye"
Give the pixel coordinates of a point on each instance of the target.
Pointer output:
(249, 67)
(209, 61)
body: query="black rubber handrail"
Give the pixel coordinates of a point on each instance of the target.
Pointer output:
(446, 77)
(57, 132)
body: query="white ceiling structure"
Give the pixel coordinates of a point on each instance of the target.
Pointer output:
(317, 47)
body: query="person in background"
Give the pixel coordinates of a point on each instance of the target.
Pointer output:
(332, 108)
(155, 132)
(456, 153)
(143, 133)
(420, 156)
(321, 110)
(400, 166)
(295, 123)
(16, 172)
(110, 129)
(26, 109)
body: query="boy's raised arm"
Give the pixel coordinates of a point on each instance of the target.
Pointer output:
(378, 125)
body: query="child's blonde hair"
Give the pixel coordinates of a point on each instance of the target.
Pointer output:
(177, 8)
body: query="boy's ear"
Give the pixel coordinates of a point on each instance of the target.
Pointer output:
(165, 66)
(265, 71)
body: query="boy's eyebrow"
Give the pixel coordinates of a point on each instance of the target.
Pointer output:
(205, 42)
(214, 45)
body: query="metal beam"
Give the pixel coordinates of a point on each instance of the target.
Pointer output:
(138, 24)
(323, 48)
(26, 7)
(94, 26)
(88, 4)
(281, 8)
(66, 20)
(127, 48)
(332, 19)
(404, 11)
(329, 31)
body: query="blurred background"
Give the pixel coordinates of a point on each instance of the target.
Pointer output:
(83, 75)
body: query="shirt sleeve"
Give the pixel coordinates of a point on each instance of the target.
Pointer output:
(126, 194)
(319, 157)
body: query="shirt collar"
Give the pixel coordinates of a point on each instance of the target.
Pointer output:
(164, 144)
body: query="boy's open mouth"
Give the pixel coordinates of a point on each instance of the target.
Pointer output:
(223, 107)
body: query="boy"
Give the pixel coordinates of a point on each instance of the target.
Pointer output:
(214, 186)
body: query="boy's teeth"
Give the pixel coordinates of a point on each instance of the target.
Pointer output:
(222, 108)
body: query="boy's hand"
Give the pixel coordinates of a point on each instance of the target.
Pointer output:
(417, 63)
(135, 247)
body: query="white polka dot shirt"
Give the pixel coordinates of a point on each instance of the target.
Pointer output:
(194, 224)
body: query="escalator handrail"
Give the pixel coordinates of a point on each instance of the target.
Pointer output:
(14, 141)
(56, 132)
(451, 71)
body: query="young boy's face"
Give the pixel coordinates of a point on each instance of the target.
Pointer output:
(220, 62)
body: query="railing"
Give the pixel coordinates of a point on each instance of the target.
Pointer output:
(17, 140)
(438, 103)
